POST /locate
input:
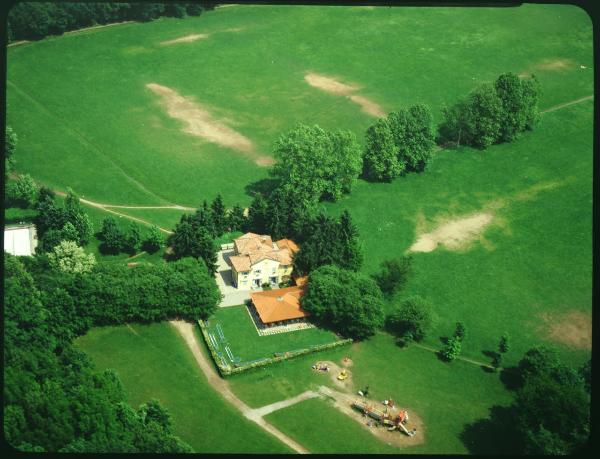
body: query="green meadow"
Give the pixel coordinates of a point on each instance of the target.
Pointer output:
(152, 361)
(85, 119)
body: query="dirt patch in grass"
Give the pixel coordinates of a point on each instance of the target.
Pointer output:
(368, 106)
(331, 85)
(334, 371)
(454, 234)
(572, 328)
(328, 84)
(186, 39)
(343, 403)
(549, 65)
(199, 122)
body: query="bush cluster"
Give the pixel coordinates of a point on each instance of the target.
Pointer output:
(32, 21)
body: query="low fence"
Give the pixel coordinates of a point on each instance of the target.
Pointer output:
(227, 246)
(226, 368)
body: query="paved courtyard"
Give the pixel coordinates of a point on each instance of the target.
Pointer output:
(232, 295)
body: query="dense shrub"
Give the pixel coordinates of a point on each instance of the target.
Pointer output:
(32, 21)
(348, 302)
(22, 192)
(452, 349)
(411, 320)
(53, 398)
(393, 274)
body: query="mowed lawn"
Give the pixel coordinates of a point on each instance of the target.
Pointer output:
(85, 118)
(532, 271)
(246, 344)
(447, 397)
(152, 361)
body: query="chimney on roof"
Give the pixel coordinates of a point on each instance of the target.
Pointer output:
(279, 298)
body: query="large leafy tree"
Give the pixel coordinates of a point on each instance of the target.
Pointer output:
(69, 257)
(414, 136)
(518, 98)
(381, 156)
(313, 163)
(348, 302)
(22, 192)
(492, 113)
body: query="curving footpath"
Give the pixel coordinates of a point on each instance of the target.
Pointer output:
(186, 330)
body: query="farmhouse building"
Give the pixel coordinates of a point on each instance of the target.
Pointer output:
(278, 307)
(257, 260)
(20, 240)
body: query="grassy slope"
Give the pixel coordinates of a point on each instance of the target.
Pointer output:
(116, 145)
(153, 362)
(538, 257)
(245, 343)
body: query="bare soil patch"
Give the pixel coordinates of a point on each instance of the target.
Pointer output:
(368, 106)
(329, 84)
(343, 403)
(333, 86)
(199, 122)
(549, 65)
(572, 328)
(454, 234)
(186, 39)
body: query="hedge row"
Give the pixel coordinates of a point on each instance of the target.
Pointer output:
(226, 369)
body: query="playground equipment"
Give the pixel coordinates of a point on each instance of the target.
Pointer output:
(320, 366)
(386, 419)
(343, 375)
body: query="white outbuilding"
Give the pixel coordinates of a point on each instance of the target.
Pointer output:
(20, 240)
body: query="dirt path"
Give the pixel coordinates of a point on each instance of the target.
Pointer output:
(566, 104)
(105, 208)
(464, 359)
(264, 410)
(186, 330)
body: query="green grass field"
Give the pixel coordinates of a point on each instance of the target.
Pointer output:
(152, 361)
(91, 124)
(537, 258)
(246, 344)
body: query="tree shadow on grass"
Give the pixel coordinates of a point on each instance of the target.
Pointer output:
(511, 378)
(444, 340)
(263, 186)
(494, 435)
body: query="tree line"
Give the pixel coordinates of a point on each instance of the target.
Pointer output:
(54, 399)
(32, 21)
